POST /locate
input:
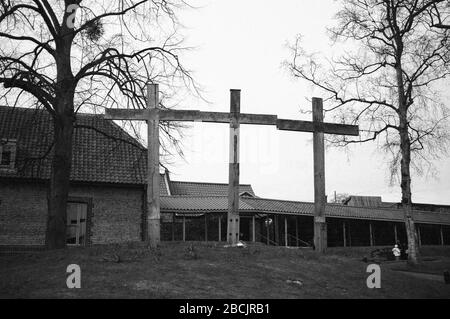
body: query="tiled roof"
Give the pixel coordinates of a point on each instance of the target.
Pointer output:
(190, 205)
(204, 189)
(196, 204)
(102, 151)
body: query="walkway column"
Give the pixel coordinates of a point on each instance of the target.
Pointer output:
(184, 228)
(371, 234)
(395, 233)
(206, 227)
(296, 231)
(442, 236)
(220, 228)
(344, 233)
(285, 231)
(277, 230)
(173, 226)
(254, 228)
(419, 235)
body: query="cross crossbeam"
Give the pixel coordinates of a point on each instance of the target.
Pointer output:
(190, 116)
(153, 115)
(327, 128)
(221, 117)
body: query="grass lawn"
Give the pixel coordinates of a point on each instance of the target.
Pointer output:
(212, 271)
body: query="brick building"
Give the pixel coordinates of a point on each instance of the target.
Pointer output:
(107, 196)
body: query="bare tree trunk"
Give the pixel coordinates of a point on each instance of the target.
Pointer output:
(413, 247)
(405, 148)
(59, 182)
(63, 123)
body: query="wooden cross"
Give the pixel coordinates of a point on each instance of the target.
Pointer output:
(319, 128)
(153, 114)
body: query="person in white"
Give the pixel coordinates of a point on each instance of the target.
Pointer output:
(396, 251)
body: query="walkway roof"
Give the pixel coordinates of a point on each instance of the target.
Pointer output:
(195, 205)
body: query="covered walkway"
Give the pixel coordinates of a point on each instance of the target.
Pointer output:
(289, 223)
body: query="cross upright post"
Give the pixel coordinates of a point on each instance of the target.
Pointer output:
(320, 225)
(233, 183)
(153, 199)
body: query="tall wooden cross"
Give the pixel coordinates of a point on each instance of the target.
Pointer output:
(153, 115)
(319, 129)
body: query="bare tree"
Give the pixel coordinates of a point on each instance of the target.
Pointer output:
(440, 15)
(387, 81)
(77, 54)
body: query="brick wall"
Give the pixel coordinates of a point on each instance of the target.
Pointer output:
(116, 213)
(22, 213)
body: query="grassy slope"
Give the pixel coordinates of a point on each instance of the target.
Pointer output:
(213, 272)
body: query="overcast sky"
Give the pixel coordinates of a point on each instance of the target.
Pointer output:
(241, 45)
